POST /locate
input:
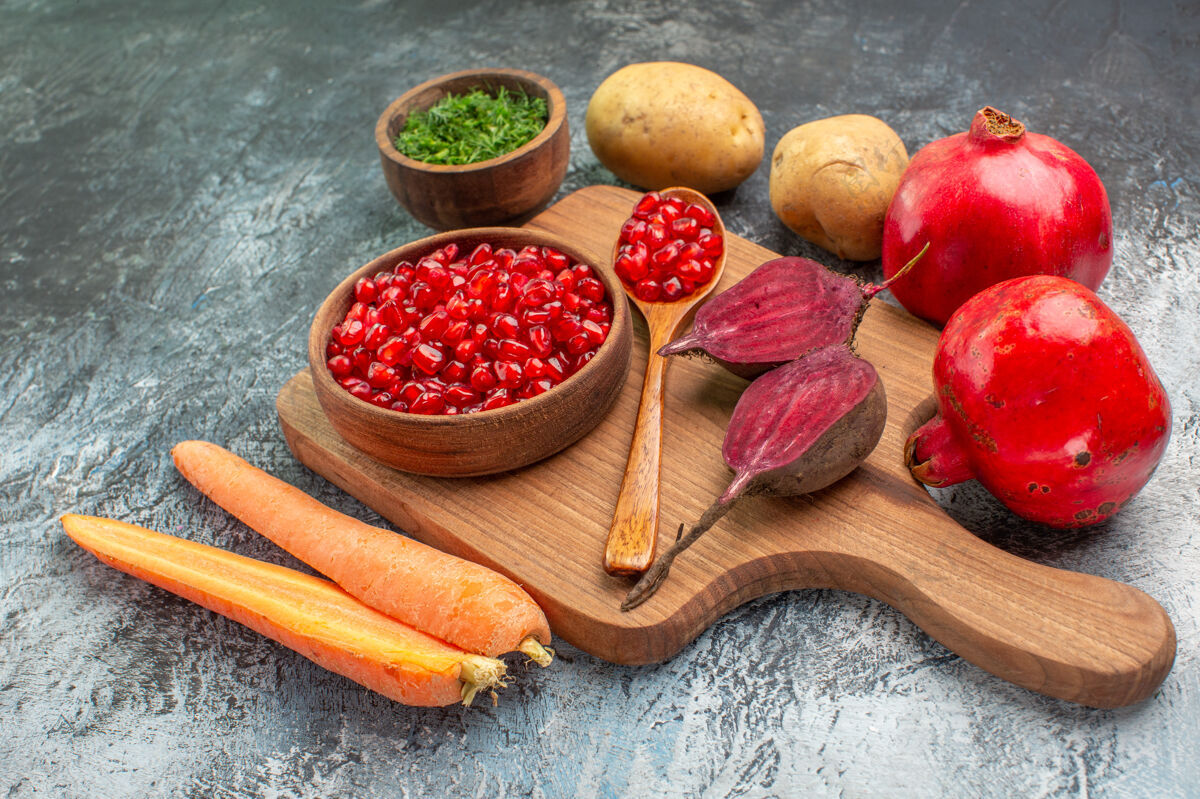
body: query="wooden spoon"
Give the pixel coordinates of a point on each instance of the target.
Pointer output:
(634, 531)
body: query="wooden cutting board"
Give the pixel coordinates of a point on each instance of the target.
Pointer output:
(876, 532)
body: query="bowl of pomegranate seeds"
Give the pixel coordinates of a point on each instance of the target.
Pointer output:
(445, 147)
(471, 352)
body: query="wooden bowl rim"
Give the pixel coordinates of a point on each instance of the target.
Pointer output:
(321, 328)
(556, 116)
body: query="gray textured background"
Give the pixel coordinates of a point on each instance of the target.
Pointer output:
(180, 185)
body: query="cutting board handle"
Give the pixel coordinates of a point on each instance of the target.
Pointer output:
(1069, 635)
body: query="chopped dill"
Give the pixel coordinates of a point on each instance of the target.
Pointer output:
(472, 127)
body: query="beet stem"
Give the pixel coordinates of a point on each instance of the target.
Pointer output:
(653, 578)
(869, 291)
(680, 345)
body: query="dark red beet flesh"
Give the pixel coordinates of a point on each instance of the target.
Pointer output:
(780, 311)
(795, 430)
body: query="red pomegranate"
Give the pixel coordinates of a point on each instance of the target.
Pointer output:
(994, 203)
(1044, 396)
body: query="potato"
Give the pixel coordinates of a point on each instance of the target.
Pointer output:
(663, 124)
(831, 182)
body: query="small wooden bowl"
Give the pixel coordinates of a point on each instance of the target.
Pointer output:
(509, 189)
(490, 441)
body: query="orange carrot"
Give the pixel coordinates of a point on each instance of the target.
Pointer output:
(456, 600)
(310, 615)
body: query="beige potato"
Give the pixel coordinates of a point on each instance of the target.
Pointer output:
(660, 124)
(831, 182)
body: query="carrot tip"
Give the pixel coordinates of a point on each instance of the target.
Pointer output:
(478, 673)
(541, 655)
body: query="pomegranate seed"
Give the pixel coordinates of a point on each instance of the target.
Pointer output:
(504, 257)
(410, 391)
(380, 375)
(476, 309)
(457, 307)
(599, 313)
(506, 326)
(540, 340)
(665, 258)
(556, 369)
(513, 350)
(672, 289)
(628, 268)
(375, 336)
(464, 349)
(423, 295)
(565, 328)
(362, 359)
(496, 398)
(399, 405)
(490, 347)
(349, 334)
(481, 284)
(390, 314)
(536, 316)
(686, 228)
(537, 292)
(481, 254)
(382, 399)
(555, 260)
(712, 244)
(427, 403)
(453, 372)
(707, 268)
(701, 214)
(534, 368)
(482, 378)
(365, 290)
(670, 212)
(434, 325)
(578, 343)
(571, 301)
(646, 290)
(509, 374)
(333, 348)
(647, 205)
(391, 351)
(591, 289)
(428, 358)
(361, 389)
(456, 332)
(657, 236)
(504, 298)
(340, 365)
(593, 331)
(461, 396)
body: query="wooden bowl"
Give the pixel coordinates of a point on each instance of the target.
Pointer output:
(509, 189)
(489, 441)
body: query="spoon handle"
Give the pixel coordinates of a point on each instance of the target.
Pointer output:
(634, 531)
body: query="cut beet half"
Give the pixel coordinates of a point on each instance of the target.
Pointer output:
(795, 430)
